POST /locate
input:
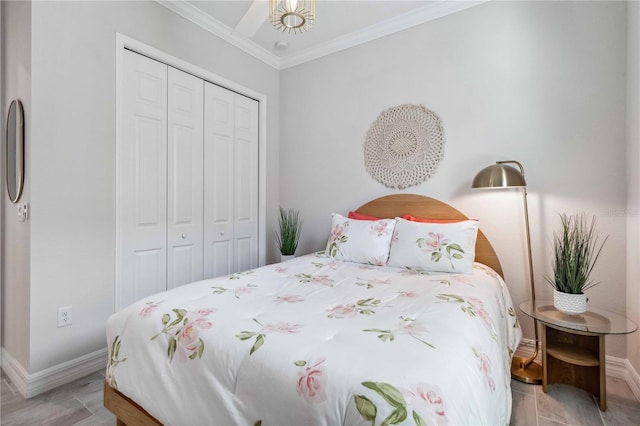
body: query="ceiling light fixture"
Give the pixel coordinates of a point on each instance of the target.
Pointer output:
(292, 15)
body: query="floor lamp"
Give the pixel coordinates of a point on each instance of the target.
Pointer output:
(500, 175)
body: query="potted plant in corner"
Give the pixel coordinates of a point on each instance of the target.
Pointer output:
(575, 252)
(288, 233)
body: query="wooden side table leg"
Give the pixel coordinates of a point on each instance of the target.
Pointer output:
(603, 374)
(544, 358)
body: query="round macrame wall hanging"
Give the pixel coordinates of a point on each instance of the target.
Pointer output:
(404, 146)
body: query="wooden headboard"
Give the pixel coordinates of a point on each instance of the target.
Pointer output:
(420, 206)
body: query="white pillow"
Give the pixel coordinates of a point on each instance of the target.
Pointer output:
(434, 247)
(361, 241)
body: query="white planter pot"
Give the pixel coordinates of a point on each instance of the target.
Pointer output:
(285, 257)
(572, 304)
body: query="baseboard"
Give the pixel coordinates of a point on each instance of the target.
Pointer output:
(30, 385)
(619, 368)
(632, 379)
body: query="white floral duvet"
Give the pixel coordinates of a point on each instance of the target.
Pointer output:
(322, 342)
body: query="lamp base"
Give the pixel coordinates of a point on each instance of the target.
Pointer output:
(532, 374)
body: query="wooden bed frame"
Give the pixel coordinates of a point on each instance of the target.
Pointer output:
(131, 414)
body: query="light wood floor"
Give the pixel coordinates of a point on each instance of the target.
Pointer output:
(77, 403)
(80, 404)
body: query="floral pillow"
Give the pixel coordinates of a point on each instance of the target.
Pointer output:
(361, 241)
(434, 247)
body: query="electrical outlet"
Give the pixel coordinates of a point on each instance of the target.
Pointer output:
(64, 316)
(23, 212)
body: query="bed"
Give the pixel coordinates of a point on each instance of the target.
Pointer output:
(319, 340)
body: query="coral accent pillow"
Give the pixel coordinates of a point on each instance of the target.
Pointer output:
(434, 247)
(420, 219)
(360, 241)
(360, 216)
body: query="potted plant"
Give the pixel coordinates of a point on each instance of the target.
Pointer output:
(575, 252)
(288, 233)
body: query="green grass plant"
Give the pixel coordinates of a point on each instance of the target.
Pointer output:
(575, 251)
(289, 229)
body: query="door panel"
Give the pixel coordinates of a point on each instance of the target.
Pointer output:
(148, 271)
(246, 183)
(185, 174)
(183, 169)
(231, 181)
(142, 208)
(244, 177)
(221, 259)
(182, 259)
(218, 180)
(221, 150)
(148, 172)
(244, 253)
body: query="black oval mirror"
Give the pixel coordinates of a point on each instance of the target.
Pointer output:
(15, 150)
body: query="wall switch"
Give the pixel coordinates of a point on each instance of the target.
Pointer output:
(64, 316)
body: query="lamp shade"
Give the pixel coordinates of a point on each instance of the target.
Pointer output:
(499, 176)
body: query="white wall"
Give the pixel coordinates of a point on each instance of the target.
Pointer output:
(72, 173)
(16, 79)
(539, 82)
(633, 178)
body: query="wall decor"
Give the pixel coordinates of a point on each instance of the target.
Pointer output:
(403, 146)
(14, 156)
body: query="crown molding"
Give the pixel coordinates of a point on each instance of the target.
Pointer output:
(419, 16)
(385, 28)
(217, 28)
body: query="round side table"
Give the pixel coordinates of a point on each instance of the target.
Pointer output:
(573, 345)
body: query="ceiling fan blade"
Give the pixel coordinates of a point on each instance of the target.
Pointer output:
(253, 19)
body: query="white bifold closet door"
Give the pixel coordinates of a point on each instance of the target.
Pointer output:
(230, 182)
(188, 180)
(185, 179)
(142, 163)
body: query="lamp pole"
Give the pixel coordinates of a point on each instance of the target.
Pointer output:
(501, 175)
(522, 368)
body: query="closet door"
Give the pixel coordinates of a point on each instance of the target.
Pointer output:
(187, 172)
(230, 182)
(218, 180)
(245, 179)
(142, 163)
(184, 197)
